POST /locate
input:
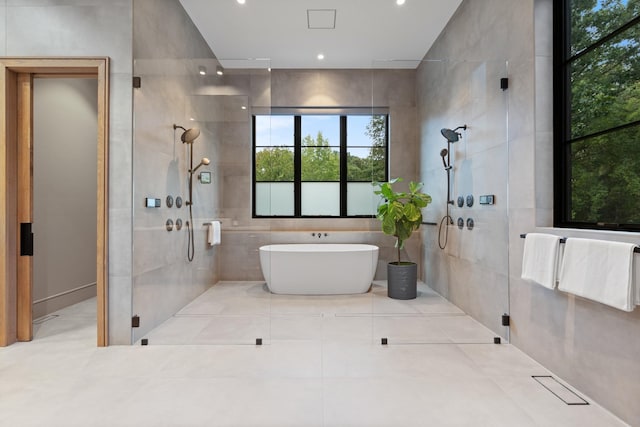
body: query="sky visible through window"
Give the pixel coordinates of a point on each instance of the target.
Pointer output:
(277, 131)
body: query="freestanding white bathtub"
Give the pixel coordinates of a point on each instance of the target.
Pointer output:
(319, 269)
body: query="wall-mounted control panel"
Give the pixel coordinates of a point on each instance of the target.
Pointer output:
(487, 199)
(205, 177)
(150, 202)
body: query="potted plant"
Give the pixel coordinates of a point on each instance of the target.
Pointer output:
(401, 215)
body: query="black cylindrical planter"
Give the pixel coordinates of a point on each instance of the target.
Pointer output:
(402, 280)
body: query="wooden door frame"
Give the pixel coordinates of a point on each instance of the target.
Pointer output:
(16, 75)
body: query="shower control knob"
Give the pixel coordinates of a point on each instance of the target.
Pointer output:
(460, 223)
(178, 202)
(460, 201)
(469, 200)
(470, 223)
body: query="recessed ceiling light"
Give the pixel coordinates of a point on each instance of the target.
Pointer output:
(241, 1)
(219, 70)
(202, 70)
(244, 107)
(321, 56)
(398, 2)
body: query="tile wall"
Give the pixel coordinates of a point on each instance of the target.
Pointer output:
(587, 344)
(168, 52)
(98, 29)
(242, 236)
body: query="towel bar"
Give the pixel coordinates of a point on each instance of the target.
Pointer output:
(564, 240)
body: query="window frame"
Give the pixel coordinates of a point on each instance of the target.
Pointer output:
(297, 114)
(562, 139)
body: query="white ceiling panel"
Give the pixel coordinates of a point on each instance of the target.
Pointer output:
(366, 31)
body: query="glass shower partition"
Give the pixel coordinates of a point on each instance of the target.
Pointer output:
(219, 296)
(462, 246)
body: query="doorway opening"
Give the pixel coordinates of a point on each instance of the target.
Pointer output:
(17, 76)
(64, 205)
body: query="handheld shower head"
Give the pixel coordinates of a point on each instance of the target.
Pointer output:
(189, 135)
(203, 162)
(443, 154)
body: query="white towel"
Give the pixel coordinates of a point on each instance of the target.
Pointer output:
(636, 280)
(540, 259)
(213, 233)
(599, 270)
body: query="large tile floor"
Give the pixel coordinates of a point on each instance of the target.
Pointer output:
(321, 364)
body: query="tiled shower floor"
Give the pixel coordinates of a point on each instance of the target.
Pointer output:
(239, 313)
(321, 364)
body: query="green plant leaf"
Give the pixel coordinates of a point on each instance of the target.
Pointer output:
(412, 212)
(401, 212)
(389, 226)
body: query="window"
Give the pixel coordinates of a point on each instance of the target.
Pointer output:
(318, 164)
(597, 114)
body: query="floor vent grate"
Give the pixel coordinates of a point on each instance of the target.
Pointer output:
(559, 390)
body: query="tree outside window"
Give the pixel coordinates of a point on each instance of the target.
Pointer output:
(598, 141)
(327, 146)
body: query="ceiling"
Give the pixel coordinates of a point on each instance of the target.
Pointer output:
(360, 34)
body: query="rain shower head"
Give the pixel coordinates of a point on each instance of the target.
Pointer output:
(451, 135)
(189, 135)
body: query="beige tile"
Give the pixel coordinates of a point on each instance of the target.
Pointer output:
(319, 365)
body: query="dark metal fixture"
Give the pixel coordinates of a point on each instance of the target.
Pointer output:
(452, 136)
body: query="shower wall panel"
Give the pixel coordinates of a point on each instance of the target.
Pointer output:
(243, 235)
(585, 343)
(168, 52)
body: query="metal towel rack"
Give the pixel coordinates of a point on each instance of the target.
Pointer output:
(564, 240)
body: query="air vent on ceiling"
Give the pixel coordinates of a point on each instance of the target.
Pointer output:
(321, 19)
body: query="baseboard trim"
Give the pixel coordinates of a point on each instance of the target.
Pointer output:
(70, 291)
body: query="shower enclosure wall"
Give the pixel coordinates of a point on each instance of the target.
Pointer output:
(472, 270)
(174, 265)
(237, 307)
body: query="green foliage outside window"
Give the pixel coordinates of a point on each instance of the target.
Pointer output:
(604, 110)
(320, 162)
(321, 159)
(274, 164)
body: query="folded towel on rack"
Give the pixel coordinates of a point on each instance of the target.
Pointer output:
(213, 233)
(540, 259)
(599, 270)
